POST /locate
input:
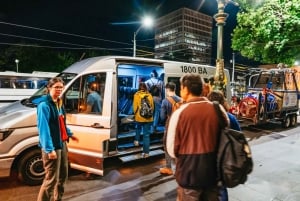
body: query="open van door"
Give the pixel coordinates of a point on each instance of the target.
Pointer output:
(88, 107)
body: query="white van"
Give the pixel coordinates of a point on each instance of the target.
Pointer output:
(101, 135)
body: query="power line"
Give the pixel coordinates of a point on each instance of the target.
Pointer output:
(69, 34)
(68, 48)
(44, 40)
(59, 42)
(63, 33)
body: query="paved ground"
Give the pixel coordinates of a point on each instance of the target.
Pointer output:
(276, 177)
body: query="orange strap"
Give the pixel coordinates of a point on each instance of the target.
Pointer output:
(171, 100)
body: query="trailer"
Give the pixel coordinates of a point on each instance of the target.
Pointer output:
(273, 95)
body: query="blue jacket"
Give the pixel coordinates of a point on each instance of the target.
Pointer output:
(234, 124)
(166, 108)
(48, 124)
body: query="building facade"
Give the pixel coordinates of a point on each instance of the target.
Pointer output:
(184, 35)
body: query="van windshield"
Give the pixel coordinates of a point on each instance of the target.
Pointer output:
(36, 97)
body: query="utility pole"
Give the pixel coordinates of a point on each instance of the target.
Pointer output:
(233, 67)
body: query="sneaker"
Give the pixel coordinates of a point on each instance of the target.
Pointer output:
(145, 155)
(136, 143)
(165, 170)
(89, 176)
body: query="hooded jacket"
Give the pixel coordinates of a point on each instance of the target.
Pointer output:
(48, 124)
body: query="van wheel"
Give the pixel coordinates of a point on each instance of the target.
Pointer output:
(30, 168)
(286, 122)
(293, 119)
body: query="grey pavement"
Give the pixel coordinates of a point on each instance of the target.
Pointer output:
(276, 176)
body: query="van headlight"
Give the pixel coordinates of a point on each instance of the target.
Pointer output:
(4, 133)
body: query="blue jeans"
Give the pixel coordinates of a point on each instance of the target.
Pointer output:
(223, 194)
(157, 106)
(170, 162)
(145, 126)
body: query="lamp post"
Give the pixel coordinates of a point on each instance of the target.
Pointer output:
(220, 18)
(17, 64)
(146, 22)
(233, 67)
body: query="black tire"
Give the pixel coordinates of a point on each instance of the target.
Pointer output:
(293, 120)
(286, 122)
(30, 168)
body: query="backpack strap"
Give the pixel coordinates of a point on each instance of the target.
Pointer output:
(153, 82)
(157, 82)
(222, 122)
(171, 100)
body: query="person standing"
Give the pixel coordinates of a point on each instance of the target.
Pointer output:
(155, 87)
(142, 123)
(93, 99)
(192, 139)
(53, 136)
(165, 113)
(234, 124)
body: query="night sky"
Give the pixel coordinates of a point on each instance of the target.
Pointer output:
(110, 22)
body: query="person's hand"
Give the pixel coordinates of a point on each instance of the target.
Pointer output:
(52, 155)
(74, 138)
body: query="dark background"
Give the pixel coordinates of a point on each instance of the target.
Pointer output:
(105, 24)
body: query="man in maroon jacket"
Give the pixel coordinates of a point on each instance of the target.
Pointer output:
(192, 140)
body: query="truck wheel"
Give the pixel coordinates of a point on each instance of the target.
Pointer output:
(286, 122)
(30, 168)
(293, 120)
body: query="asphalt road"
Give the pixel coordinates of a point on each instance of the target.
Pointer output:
(78, 184)
(12, 190)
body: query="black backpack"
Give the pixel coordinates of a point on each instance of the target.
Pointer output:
(155, 89)
(146, 110)
(234, 159)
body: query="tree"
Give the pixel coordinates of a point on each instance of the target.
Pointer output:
(269, 31)
(41, 59)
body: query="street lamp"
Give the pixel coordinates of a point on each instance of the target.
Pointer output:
(17, 64)
(146, 22)
(233, 67)
(220, 18)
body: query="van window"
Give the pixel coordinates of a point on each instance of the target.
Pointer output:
(86, 94)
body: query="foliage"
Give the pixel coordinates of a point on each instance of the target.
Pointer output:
(268, 31)
(40, 59)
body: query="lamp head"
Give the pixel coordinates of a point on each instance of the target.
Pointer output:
(147, 21)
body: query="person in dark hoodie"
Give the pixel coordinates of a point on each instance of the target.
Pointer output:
(53, 135)
(234, 124)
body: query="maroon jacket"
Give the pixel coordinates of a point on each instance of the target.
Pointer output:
(192, 138)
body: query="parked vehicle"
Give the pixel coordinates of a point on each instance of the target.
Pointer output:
(272, 96)
(101, 135)
(17, 86)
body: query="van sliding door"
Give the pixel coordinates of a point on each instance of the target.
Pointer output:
(88, 106)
